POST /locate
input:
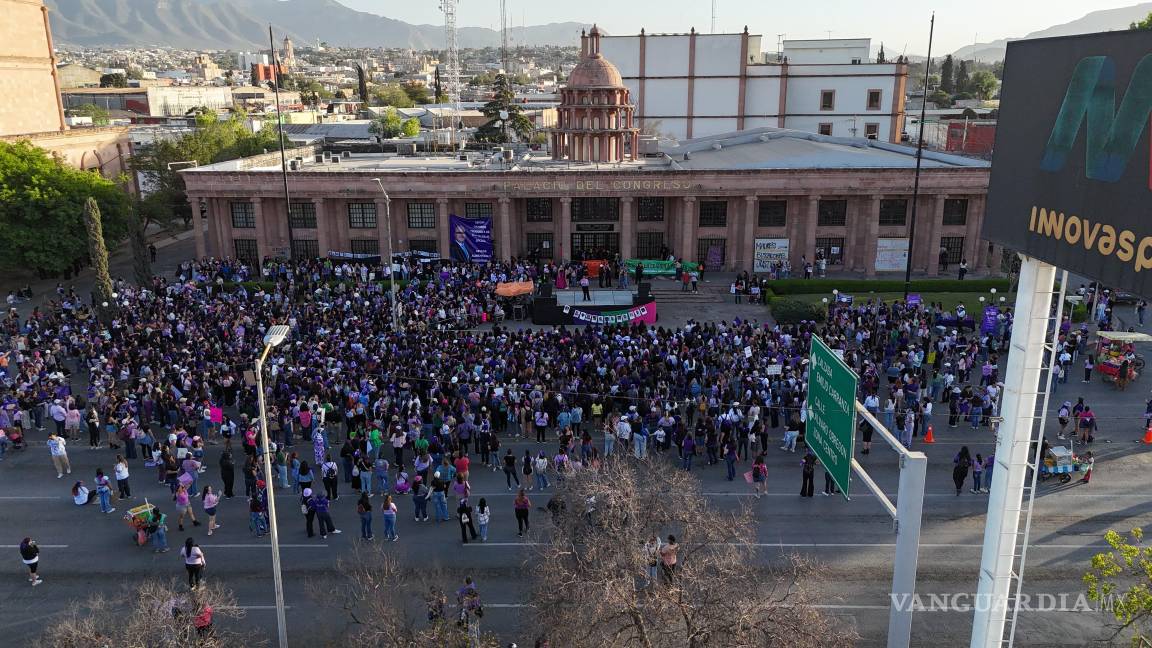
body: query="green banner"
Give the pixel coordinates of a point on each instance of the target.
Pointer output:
(654, 267)
(831, 423)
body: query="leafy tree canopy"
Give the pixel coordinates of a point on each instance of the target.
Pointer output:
(503, 100)
(392, 94)
(116, 80)
(1143, 25)
(42, 209)
(98, 114)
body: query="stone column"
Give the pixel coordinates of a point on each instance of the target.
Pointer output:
(934, 234)
(198, 226)
(382, 230)
(323, 231)
(263, 235)
(627, 229)
(747, 238)
(809, 245)
(442, 227)
(972, 232)
(687, 228)
(563, 243)
(220, 228)
(505, 227)
(872, 218)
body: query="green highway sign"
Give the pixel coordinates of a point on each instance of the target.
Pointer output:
(831, 426)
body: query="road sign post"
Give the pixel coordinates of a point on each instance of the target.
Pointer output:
(831, 425)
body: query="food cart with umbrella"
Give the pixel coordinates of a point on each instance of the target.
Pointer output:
(1113, 348)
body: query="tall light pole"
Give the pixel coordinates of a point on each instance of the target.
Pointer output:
(274, 337)
(391, 276)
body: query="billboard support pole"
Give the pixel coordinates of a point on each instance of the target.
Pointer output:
(1022, 385)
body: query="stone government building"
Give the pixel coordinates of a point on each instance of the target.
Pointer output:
(708, 199)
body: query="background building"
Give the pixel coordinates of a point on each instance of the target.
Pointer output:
(694, 85)
(156, 101)
(78, 76)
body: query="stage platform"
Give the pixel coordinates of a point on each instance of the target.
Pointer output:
(599, 298)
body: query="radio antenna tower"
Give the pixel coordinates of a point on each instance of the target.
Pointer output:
(504, 35)
(713, 16)
(452, 51)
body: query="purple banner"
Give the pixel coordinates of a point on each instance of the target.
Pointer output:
(471, 238)
(914, 300)
(988, 325)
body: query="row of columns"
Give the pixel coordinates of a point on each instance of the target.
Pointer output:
(860, 232)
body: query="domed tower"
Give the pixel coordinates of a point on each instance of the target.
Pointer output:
(594, 121)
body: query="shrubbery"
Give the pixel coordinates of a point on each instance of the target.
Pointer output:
(852, 286)
(793, 311)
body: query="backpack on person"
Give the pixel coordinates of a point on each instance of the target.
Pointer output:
(330, 472)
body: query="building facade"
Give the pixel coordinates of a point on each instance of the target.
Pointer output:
(30, 104)
(156, 101)
(695, 85)
(725, 201)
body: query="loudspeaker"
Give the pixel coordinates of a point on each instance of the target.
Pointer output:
(644, 290)
(545, 289)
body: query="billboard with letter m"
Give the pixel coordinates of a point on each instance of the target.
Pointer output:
(1071, 176)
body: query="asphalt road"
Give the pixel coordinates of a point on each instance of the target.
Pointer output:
(85, 551)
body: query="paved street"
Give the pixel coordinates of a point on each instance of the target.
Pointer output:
(85, 551)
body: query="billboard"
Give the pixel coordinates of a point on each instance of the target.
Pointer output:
(767, 252)
(1071, 180)
(471, 238)
(891, 254)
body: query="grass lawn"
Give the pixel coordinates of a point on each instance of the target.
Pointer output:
(971, 301)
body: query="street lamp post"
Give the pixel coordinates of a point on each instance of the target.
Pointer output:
(391, 276)
(275, 336)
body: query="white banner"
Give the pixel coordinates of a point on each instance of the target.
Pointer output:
(768, 251)
(891, 254)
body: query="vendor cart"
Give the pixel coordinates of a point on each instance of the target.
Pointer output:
(1113, 348)
(1062, 463)
(138, 518)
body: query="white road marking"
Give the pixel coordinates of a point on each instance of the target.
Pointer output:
(264, 546)
(42, 546)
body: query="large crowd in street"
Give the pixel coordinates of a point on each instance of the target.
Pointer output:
(396, 421)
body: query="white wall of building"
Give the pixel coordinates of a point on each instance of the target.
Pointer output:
(834, 50)
(814, 66)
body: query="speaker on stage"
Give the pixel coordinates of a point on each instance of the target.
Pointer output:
(545, 289)
(644, 290)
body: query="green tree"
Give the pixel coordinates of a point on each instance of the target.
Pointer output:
(97, 113)
(42, 209)
(1143, 25)
(983, 84)
(482, 79)
(98, 253)
(116, 80)
(204, 116)
(963, 82)
(391, 94)
(1121, 580)
(411, 127)
(947, 75)
(941, 99)
(497, 129)
(417, 92)
(218, 141)
(521, 79)
(387, 126)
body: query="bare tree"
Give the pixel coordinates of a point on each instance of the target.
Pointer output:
(596, 590)
(156, 614)
(387, 605)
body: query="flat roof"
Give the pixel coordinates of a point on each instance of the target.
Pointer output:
(755, 149)
(104, 91)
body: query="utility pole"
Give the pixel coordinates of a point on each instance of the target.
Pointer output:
(280, 137)
(919, 159)
(504, 36)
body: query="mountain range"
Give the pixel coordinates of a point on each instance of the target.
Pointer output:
(1097, 21)
(243, 24)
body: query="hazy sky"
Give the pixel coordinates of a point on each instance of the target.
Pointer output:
(899, 24)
